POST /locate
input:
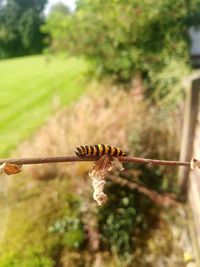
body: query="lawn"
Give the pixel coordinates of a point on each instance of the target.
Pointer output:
(32, 89)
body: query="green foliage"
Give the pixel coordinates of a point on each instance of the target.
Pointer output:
(30, 35)
(71, 230)
(20, 22)
(129, 217)
(56, 27)
(29, 258)
(74, 238)
(118, 227)
(59, 8)
(122, 38)
(35, 236)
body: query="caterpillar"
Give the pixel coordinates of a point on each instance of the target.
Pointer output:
(98, 150)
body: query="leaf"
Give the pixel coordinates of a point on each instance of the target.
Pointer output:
(11, 168)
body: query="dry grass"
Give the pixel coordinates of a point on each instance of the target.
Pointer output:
(97, 118)
(107, 116)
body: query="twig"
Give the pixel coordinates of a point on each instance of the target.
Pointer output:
(166, 199)
(42, 160)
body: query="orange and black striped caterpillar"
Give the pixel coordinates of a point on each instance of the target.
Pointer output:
(99, 150)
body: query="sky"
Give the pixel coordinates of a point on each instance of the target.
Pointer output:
(69, 3)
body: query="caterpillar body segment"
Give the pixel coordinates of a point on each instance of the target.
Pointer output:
(99, 150)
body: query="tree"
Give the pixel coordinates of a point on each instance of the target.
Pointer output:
(20, 22)
(59, 8)
(124, 38)
(56, 26)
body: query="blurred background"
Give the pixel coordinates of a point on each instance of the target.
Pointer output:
(92, 72)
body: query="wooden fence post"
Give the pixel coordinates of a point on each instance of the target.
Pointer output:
(190, 119)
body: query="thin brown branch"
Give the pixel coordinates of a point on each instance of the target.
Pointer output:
(166, 199)
(42, 160)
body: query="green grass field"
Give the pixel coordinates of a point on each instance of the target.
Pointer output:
(31, 89)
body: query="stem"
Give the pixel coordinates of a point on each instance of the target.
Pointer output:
(42, 160)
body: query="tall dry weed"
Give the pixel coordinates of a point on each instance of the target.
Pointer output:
(105, 115)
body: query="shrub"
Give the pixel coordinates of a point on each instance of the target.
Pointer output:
(30, 257)
(124, 38)
(71, 230)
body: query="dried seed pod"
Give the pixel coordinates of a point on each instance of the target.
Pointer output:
(98, 176)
